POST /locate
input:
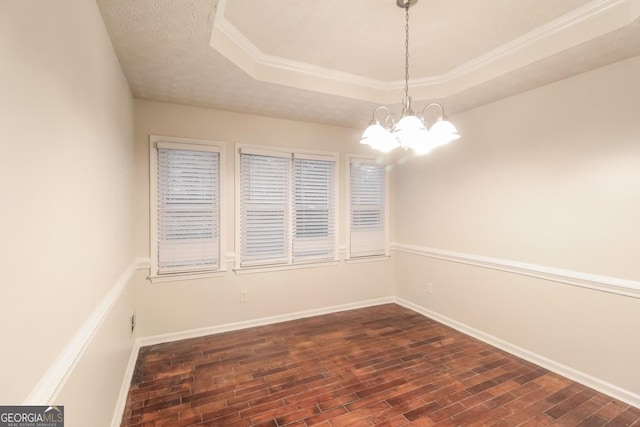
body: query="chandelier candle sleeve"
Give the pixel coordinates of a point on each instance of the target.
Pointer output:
(410, 132)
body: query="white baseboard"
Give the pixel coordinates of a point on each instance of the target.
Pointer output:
(121, 403)
(217, 329)
(588, 380)
(194, 333)
(566, 371)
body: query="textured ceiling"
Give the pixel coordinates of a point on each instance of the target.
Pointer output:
(165, 51)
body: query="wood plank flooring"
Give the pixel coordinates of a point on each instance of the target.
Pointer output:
(383, 366)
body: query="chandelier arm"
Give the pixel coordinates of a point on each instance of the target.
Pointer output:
(433, 104)
(390, 121)
(378, 108)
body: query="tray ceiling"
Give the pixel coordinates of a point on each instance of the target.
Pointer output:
(329, 61)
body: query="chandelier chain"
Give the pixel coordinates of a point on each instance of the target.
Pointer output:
(406, 55)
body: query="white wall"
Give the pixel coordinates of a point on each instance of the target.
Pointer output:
(179, 306)
(66, 165)
(549, 177)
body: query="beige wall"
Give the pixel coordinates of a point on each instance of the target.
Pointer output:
(89, 394)
(66, 128)
(548, 177)
(184, 305)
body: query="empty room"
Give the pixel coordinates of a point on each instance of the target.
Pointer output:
(320, 213)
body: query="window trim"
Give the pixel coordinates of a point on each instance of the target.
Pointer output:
(289, 152)
(363, 158)
(208, 145)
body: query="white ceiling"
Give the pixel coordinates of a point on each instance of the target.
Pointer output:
(332, 61)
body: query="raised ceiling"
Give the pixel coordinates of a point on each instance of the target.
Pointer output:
(329, 61)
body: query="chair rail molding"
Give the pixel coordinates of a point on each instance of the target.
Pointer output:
(608, 284)
(50, 385)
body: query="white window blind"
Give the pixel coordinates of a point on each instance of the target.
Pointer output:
(188, 208)
(264, 208)
(287, 208)
(313, 209)
(367, 206)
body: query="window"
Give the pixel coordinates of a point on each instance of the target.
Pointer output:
(264, 208)
(287, 207)
(314, 236)
(368, 230)
(185, 208)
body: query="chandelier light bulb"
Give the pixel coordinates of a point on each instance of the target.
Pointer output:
(443, 132)
(379, 138)
(410, 132)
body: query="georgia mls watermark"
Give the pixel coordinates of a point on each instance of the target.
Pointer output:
(31, 416)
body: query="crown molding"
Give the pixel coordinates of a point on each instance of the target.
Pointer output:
(563, 23)
(585, 23)
(279, 62)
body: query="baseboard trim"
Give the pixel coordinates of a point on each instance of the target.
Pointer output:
(608, 284)
(575, 375)
(200, 332)
(121, 403)
(227, 327)
(46, 391)
(566, 371)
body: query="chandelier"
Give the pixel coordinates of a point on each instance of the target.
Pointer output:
(410, 132)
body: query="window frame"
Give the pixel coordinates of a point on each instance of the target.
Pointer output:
(279, 152)
(210, 145)
(361, 158)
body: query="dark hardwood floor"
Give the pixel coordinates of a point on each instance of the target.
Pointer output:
(383, 366)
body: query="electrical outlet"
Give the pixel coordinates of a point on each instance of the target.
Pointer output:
(133, 321)
(429, 287)
(243, 296)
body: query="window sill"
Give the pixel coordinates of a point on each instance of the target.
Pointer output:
(374, 258)
(177, 277)
(284, 267)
